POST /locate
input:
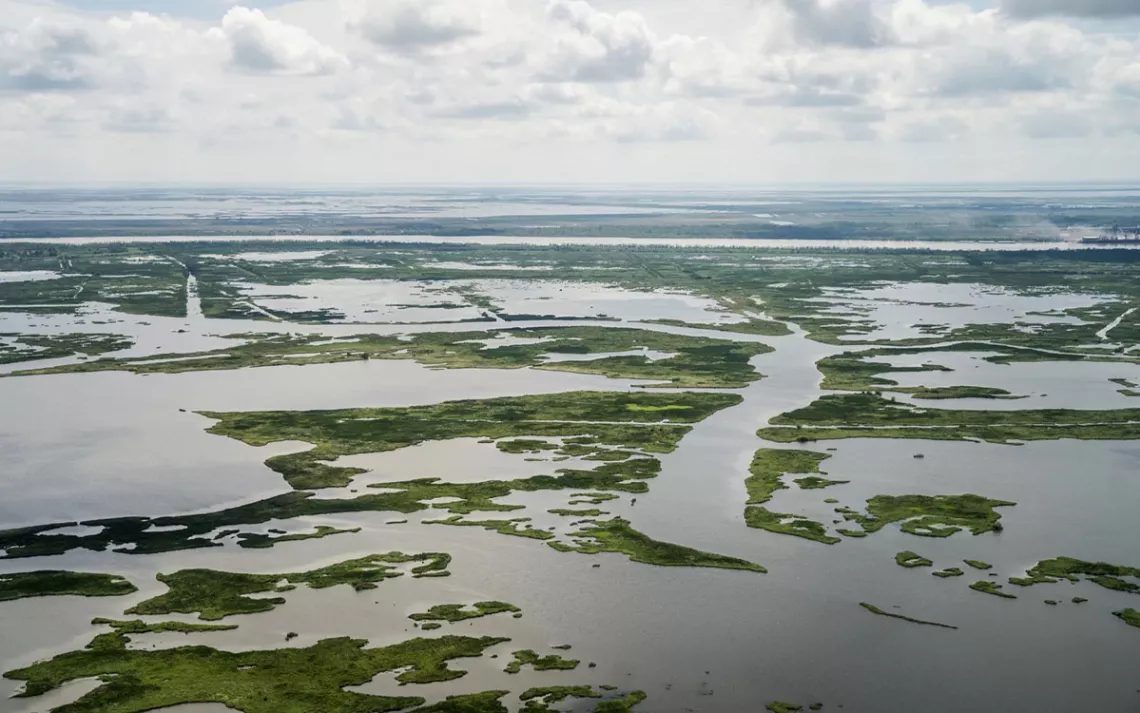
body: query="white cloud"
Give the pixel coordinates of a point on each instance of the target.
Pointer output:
(415, 25)
(528, 82)
(593, 46)
(261, 45)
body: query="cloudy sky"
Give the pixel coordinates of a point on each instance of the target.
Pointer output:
(562, 91)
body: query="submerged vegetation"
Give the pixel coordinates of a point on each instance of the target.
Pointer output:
(52, 583)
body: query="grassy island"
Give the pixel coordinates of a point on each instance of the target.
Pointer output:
(215, 595)
(616, 535)
(52, 583)
(453, 613)
(273, 681)
(528, 657)
(912, 559)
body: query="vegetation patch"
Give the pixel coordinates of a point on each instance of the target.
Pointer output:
(273, 681)
(354, 431)
(215, 595)
(786, 524)
(930, 515)
(528, 657)
(453, 613)
(813, 482)
(28, 347)
(503, 527)
(912, 559)
(52, 583)
(1130, 617)
(868, 415)
(697, 362)
(988, 587)
(616, 535)
(978, 564)
(258, 540)
(876, 610)
(948, 572)
(769, 466)
(594, 419)
(1106, 575)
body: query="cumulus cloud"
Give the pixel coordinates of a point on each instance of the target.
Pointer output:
(558, 76)
(838, 22)
(594, 46)
(261, 45)
(46, 56)
(1075, 8)
(415, 25)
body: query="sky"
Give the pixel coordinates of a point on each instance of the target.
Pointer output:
(569, 91)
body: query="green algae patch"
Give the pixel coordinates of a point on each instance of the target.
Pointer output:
(907, 558)
(987, 587)
(503, 527)
(528, 657)
(850, 533)
(272, 681)
(616, 535)
(978, 564)
(786, 524)
(1130, 616)
(931, 515)
(453, 613)
(258, 540)
(769, 466)
(783, 707)
(948, 572)
(215, 595)
(876, 610)
(567, 512)
(52, 583)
